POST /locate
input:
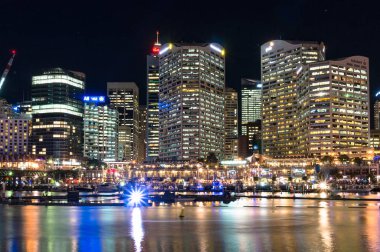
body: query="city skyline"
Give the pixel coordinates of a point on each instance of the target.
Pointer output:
(88, 46)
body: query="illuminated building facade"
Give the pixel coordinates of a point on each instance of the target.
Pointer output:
(251, 100)
(376, 112)
(124, 97)
(152, 127)
(142, 134)
(100, 129)
(15, 131)
(57, 111)
(333, 106)
(231, 124)
(191, 101)
(374, 141)
(280, 61)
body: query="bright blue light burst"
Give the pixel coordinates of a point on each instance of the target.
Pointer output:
(137, 197)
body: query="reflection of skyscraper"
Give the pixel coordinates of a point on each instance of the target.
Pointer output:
(250, 102)
(124, 98)
(191, 101)
(57, 110)
(231, 124)
(100, 130)
(280, 62)
(152, 127)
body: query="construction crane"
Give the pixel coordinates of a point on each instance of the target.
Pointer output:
(7, 68)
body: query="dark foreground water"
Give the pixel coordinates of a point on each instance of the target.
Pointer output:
(277, 225)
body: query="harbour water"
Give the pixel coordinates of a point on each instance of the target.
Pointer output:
(243, 225)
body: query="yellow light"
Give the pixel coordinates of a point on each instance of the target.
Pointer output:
(223, 52)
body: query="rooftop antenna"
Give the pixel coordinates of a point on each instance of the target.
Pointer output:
(157, 41)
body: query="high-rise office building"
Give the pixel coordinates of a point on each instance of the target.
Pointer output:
(230, 124)
(333, 98)
(100, 129)
(280, 62)
(191, 101)
(152, 127)
(124, 97)
(57, 111)
(376, 112)
(250, 100)
(254, 137)
(15, 130)
(142, 134)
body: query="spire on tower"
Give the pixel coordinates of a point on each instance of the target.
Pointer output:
(157, 41)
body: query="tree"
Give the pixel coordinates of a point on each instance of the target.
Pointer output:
(343, 158)
(358, 160)
(327, 159)
(211, 158)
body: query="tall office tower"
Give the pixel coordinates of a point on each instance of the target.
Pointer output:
(57, 111)
(152, 127)
(230, 124)
(191, 101)
(333, 106)
(280, 61)
(254, 137)
(250, 100)
(15, 131)
(100, 129)
(24, 107)
(142, 134)
(124, 97)
(376, 112)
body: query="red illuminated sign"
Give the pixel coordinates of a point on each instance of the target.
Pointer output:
(155, 50)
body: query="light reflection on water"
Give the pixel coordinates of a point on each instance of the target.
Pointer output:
(211, 227)
(137, 231)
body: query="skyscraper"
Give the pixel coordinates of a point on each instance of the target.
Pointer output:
(142, 134)
(191, 101)
(376, 112)
(152, 127)
(100, 129)
(251, 101)
(15, 131)
(280, 62)
(57, 110)
(231, 124)
(333, 99)
(124, 97)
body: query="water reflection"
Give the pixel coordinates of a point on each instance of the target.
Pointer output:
(212, 227)
(137, 231)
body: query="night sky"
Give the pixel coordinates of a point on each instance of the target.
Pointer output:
(109, 41)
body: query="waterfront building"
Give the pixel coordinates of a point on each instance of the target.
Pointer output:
(254, 137)
(124, 97)
(15, 130)
(191, 101)
(100, 129)
(152, 127)
(230, 124)
(374, 141)
(57, 111)
(250, 100)
(142, 134)
(376, 112)
(280, 62)
(333, 99)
